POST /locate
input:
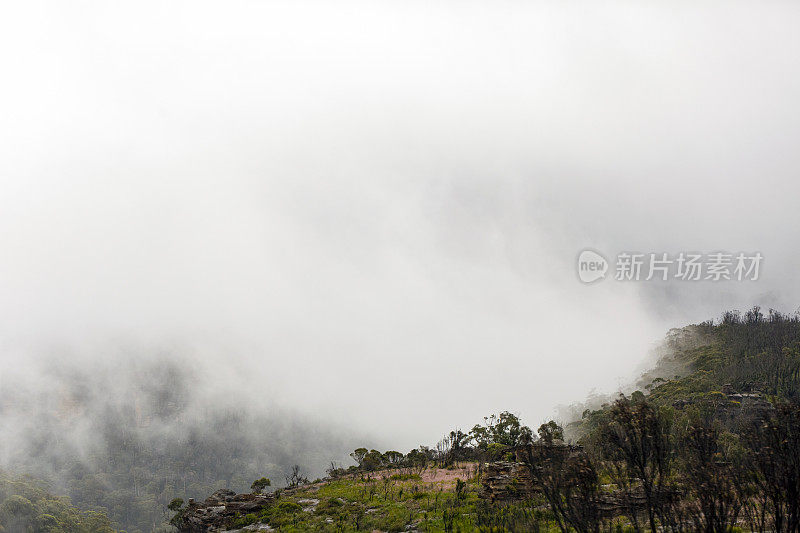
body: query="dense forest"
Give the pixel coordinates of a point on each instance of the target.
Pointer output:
(26, 505)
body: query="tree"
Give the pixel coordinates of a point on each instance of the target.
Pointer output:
(635, 438)
(372, 460)
(176, 507)
(260, 484)
(295, 478)
(175, 504)
(453, 447)
(715, 498)
(550, 432)
(505, 429)
(358, 455)
(394, 458)
(567, 478)
(775, 457)
(416, 459)
(580, 493)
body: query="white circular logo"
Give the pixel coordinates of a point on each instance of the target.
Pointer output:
(591, 266)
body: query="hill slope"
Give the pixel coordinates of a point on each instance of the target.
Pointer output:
(710, 443)
(26, 505)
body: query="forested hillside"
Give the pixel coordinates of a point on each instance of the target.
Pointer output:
(711, 443)
(27, 506)
(130, 437)
(750, 352)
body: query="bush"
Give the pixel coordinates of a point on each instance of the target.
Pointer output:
(331, 506)
(288, 507)
(245, 520)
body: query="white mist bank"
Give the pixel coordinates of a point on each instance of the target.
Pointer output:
(370, 213)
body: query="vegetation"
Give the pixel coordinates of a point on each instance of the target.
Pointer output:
(750, 352)
(390, 500)
(259, 485)
(715, 447)
(27, 506)
(644, 468)
(130, 442)
(710, 443)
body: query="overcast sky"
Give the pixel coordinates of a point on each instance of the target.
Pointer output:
(373, 210)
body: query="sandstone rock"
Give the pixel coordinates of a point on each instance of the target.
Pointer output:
(504, 481)
(219, 510)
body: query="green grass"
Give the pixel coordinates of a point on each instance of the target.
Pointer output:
(394, 503)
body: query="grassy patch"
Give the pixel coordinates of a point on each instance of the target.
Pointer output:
(400, 502)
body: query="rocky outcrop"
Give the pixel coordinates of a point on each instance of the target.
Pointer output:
(218, 511)
(505, 481)
(512, 480)
(734, 408)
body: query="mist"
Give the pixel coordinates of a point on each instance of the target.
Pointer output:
(367, 215)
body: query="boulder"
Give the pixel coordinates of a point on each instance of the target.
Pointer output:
(218, 511)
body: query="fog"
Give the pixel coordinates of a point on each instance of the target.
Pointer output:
(369, 213)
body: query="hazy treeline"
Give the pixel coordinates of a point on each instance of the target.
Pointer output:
(128, 436)
(487, 441)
